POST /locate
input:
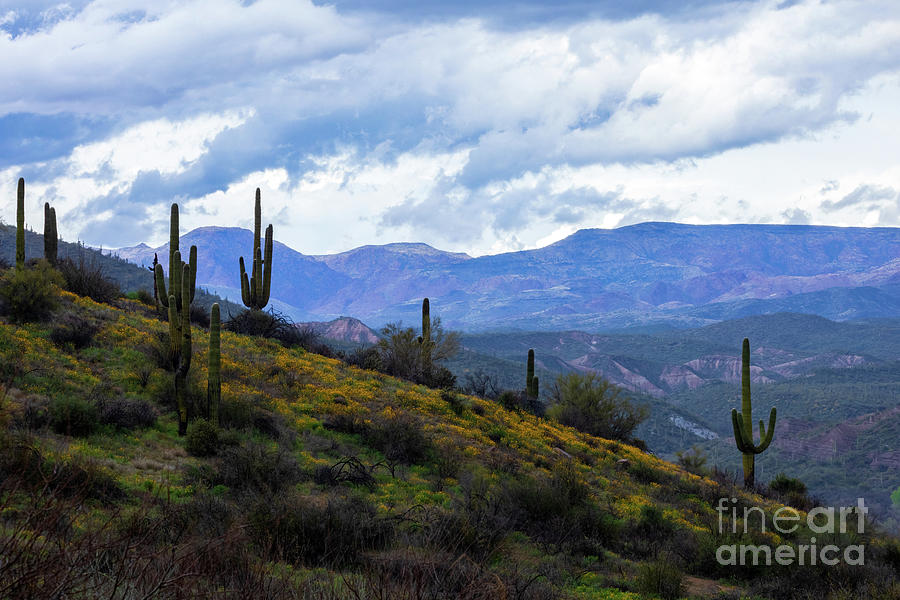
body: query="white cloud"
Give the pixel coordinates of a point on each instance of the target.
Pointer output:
(462, 135)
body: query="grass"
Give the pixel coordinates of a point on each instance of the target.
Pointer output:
(478, 499)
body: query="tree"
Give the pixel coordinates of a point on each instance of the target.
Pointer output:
(590, 403)
(401, 352)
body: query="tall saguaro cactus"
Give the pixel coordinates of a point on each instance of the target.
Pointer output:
(20, 224)
(742, 423)
(425, 340)
(51, 240)
(182, 284)
(531, 380)
(255, 289)
(214, 381)
(180, 344)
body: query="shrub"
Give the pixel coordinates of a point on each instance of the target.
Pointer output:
(145, 296)
(792, 492)
(268, 324)
(662, 578)
(22, 461)
(202, 438)
(88, 279)
(127, 413)
(236, 413)
(257, 467)
(365, 357)
(30, 294)
(458, 404)
(593, 405)
(783, 484)
(482, 384)
(73, 416)
(509, 399)
(72, 328)
(199, 315)
(519, 400)
(401, 354)
(399, 437)
(348, 469)
(306, 531)
(693, 460)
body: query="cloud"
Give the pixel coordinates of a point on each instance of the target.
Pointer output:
(470, 124)
(863, 194)
(796, 216)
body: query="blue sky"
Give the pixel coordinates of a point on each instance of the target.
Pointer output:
(473, 126)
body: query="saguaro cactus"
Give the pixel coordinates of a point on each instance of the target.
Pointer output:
(20, 224)
(214, 382)
(425, 339)
(531, 380)
(742, 423)
(255, 289)
(180, 344)
(182, 283)
(51, 241)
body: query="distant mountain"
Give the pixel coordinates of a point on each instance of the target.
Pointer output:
(343, 329)
(784, 346)
(651, 275)
(296, 276)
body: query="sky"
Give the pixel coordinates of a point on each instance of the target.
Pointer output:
(473, 126)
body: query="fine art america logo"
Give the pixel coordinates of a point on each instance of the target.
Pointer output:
(822, 521)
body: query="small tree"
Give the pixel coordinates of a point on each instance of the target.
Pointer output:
(401, 351)
(590, 403)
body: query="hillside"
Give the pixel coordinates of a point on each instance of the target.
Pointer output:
(330, 482)
(650, 274)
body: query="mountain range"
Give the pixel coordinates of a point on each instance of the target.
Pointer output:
(654, 275)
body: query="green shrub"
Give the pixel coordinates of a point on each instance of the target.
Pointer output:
(202, 438)
(143, 296)
(783, 484)
(693, 460)
(30, 294)
(400, 438)
(662, 578)
(73, 416)
(458, 404)
(593, 405)
(510, 399)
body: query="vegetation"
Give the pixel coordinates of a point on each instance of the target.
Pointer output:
(255, 290)
(302, 477)
(182, 282)
(30, 293)
(51, 240)
(591, 404)
(531, 381)
(403, 353)
(87, 278)
(742, 423)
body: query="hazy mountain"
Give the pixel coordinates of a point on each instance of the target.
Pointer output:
(646, 274)
(343, 329)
